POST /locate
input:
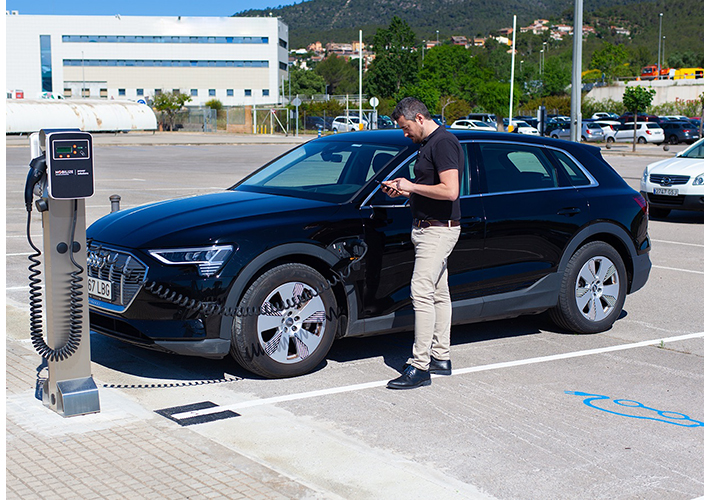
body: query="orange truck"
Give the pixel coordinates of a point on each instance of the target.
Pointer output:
(651, 72)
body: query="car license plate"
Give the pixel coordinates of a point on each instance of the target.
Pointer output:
(665, 191)
(100, 288)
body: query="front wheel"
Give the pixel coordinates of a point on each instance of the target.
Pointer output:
(593, 290)
(292, 335)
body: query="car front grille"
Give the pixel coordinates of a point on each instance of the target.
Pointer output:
(124, 271)
(666, 200)
(669, 179)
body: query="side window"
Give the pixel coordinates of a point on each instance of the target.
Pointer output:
(406, 171)
(515, 167)
(575, 174)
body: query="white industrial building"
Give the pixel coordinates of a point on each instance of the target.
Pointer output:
(237, 60)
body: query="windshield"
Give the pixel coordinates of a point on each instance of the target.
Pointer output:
(697, 150)
(322, 170)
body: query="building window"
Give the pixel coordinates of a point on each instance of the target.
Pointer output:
(67, 93)
(213, 93)
(103, 93)
(230, 92)
(247, 92)
(85, 93)
(122, 92)
(139, 92)
(176, 91)
(193, 92)
(45, 50)
(265, 92)
(158, 92)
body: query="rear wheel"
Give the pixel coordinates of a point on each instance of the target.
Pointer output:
(673, 139)
(642, 140)
(609, 140)
(290, 342)
(593, 289)
(554, 136)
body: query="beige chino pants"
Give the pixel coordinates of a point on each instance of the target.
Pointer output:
(430, 293)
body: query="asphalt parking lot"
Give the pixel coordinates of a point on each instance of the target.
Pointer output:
(530, 412)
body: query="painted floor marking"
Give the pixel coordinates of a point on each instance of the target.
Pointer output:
(678, 269)
(460, 371)
(677, 243)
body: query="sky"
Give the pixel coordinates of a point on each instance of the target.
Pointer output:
(219, 8)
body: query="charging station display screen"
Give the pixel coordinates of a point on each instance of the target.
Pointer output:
(71, 170)
(65, 150)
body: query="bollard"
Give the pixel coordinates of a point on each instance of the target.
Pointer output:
(115, 202)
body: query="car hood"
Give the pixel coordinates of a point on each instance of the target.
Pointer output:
(678, 166)
(197, 220)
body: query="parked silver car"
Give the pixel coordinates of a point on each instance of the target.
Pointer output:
(591, 132)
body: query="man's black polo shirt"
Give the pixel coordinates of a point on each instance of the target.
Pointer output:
(440, 151)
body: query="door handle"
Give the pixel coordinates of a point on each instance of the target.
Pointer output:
(470, 221)
(569, 212)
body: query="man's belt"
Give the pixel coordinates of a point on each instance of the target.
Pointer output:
(423, 224)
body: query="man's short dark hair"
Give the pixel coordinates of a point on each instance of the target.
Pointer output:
(408, 108)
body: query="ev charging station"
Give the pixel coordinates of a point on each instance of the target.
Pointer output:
(61, 176)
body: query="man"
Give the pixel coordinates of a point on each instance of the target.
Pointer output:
(434, 200)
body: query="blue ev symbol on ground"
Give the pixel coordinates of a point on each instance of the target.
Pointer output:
(634, 409)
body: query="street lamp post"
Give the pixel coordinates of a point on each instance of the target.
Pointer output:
(437, 37)
(660, 25)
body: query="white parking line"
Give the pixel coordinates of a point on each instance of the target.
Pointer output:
(460, 371)
(678, 269)
(677, 243)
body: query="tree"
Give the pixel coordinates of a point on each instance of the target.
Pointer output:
(447, 67)
(169, 104)
(339, 74)
(305, 82)
(608, 58)
(556, 77)
(396, 63)
(637, 99)
(495, 98)
(215, 104)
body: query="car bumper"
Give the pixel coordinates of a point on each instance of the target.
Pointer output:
(690, 202)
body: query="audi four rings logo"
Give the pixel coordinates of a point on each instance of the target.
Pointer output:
(99, 259)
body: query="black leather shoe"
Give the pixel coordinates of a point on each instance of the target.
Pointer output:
(411, 378)
(440, 367)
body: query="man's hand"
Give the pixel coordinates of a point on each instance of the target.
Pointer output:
(393, 188)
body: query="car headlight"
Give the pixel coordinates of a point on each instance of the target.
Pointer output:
(208, 260)
(645, 175)
(699, 180)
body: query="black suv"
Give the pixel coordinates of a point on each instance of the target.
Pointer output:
(308, 249)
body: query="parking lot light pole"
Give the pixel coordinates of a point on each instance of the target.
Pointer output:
(660, 26)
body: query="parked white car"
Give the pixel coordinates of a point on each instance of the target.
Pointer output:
(676, 183)
(521, 127)
(645, 132)
(348, 124)
(473, 125)
(609, 127)
(604, 116)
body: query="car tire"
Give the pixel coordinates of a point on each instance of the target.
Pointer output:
(658, 213)
(593, 290)
(642, 140)
(554, 136)
(673, 139)
(584, 139)
(285, 343)
(609, 140)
